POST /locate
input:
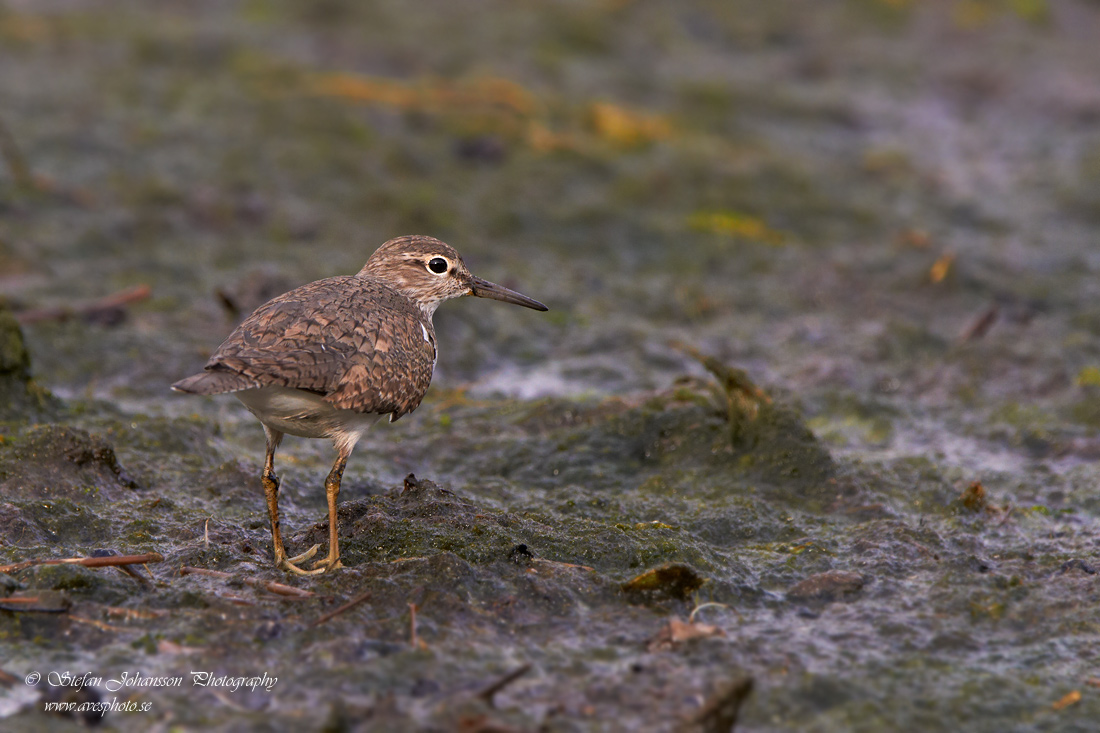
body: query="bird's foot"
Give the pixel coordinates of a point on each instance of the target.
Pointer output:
(327, 564)
(288, 563)
(305, 555)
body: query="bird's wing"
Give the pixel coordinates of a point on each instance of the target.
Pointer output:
(357, 342)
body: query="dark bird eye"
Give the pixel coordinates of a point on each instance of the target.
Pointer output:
(438, 265)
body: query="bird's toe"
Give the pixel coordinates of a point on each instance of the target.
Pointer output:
(305, 555)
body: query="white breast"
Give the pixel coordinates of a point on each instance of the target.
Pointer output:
(305, 414)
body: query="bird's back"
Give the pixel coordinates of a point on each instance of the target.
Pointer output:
(353, 340)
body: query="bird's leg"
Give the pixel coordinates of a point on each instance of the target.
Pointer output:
(332, 490)
(271, 491)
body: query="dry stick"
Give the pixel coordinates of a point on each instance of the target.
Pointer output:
(270, 585)
(129, 614)
(494, 688)
(98, 624)
(47, 601)
(346, 607)
(129, 570)
(712, 604)
(6, 679)
(414, 640)
(105, 304)
(558, 564)
(88, 562)
(981, 325)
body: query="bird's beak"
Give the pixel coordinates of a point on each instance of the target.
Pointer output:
(485, 289)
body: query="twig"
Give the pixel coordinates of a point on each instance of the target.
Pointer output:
(98, 624)
(7, 679)
(336, 612)
(116, 560)
(1008, 509)
(88, 562)
(269, 585)
(238, 600)
(557, 564)
(129, 614)
(47, 601)
(414, 640)
(500, 684)
(981, 325)
(109, 306)
(701, 606)
(129, 570)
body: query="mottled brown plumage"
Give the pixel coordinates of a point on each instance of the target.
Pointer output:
(355, 341)
(326, 359)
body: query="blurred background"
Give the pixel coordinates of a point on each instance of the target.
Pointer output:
(885, 211)
(827, 193)
(809, 188)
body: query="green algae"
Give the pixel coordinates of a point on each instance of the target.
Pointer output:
(20, 397)
(53, 462)
(15, 362)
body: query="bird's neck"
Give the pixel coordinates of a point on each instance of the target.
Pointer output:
(398, 283)
(428, 308)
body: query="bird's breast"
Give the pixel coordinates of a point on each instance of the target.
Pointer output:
(302, 413)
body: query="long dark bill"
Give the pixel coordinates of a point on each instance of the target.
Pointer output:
(485, 289)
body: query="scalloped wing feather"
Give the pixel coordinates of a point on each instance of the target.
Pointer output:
(354, 340)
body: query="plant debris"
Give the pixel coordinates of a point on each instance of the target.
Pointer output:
(676, 632)
(672, 580)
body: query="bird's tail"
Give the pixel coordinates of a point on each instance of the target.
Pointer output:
(213, 382)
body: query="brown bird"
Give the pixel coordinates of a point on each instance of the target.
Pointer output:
(330, 358)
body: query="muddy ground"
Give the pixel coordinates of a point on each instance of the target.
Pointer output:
(884, 212)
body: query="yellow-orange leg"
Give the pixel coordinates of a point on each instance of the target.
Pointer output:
(271, 491)
(332, 491)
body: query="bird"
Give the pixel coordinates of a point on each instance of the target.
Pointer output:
(330, 358)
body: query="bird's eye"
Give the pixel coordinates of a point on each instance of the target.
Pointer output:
(438, 265)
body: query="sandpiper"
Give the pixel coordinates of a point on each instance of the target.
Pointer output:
(328, 359)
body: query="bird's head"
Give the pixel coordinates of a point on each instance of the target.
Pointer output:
(429, 271)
